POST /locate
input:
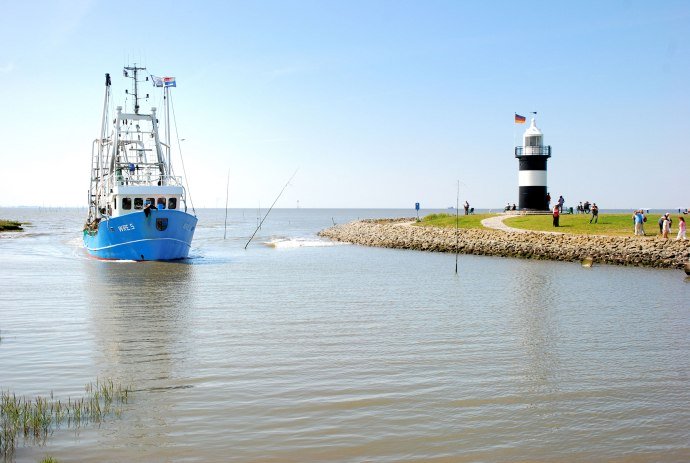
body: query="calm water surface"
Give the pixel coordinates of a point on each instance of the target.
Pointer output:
(308, 351)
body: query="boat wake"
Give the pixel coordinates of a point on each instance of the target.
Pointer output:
(288, 243)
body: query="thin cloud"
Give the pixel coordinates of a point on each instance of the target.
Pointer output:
(7, 68)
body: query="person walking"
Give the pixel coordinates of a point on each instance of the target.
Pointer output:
(595, 213)
(556, 215)
(561, 201)
(681, 229)
(661, 224)
(467, 208)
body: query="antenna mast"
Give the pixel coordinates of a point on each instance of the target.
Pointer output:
(135, 70)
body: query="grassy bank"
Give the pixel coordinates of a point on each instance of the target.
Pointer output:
(578, 224)
(10, 225)
(609, 224)
(448, 220)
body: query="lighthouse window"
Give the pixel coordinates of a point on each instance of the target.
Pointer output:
(172, 203)
(138, 203)
(126, 203)
(533, 141)
(161, 203)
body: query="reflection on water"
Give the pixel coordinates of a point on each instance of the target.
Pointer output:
(140, 308)
(140, 316)
(535, 288)
(312, 352)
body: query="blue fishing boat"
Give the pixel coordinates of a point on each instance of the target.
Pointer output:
(137, 205)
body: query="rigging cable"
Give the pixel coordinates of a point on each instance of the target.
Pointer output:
(179, 149)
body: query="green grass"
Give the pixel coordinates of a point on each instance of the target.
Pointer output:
(10, 225)
(609, 224)
(448, 220)
(35, 418)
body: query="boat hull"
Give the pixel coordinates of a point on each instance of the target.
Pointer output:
(164, 234)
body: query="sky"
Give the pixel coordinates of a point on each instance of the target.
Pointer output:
(376, 104)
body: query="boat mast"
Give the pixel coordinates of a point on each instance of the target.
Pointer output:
(97, 156)
(135, 69)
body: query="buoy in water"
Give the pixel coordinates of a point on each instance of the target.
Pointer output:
(588, 261)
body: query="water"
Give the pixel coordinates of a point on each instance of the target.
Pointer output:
(304, 350)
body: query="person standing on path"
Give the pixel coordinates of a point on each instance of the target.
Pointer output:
(682, 229)
(638, 223)
(556, 216)
(644, 219)
(595, 213)
(548, 200)
(665, 227)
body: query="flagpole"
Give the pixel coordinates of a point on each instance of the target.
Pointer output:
(167, 126)
(514, 135)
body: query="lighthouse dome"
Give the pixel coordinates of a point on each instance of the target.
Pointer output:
(533, 129)
(533, 139)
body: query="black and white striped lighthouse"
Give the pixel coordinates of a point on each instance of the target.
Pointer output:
(532, 156)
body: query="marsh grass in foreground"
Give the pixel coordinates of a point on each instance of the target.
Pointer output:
(10, 225)
(608, 224)
(448, 220)
(35, 418)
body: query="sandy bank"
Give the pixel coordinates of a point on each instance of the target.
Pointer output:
(637, 251)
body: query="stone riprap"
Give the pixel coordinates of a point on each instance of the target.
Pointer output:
(401, 234)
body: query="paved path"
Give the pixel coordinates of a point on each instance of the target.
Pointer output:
(496, 223)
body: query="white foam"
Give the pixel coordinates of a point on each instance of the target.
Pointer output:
(287, 243)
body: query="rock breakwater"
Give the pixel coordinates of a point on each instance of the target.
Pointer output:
(402, 234)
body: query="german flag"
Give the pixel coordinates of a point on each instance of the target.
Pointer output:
(519, 119)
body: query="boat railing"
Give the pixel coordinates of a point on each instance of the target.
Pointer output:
(143, 176)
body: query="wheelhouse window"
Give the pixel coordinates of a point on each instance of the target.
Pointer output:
(151, 201)
(172, 203)
(161, 203)
(138, 203)
(126, 203)
(114, 202)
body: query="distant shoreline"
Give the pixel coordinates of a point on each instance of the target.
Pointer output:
(615, 250)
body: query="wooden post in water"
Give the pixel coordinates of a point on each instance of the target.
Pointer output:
(227, 194)
(457, 219)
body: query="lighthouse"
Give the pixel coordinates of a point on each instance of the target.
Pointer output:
(532, 156)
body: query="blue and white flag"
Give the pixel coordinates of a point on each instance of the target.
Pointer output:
(157, 81)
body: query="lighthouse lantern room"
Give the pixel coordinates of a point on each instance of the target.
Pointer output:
(532, 156)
